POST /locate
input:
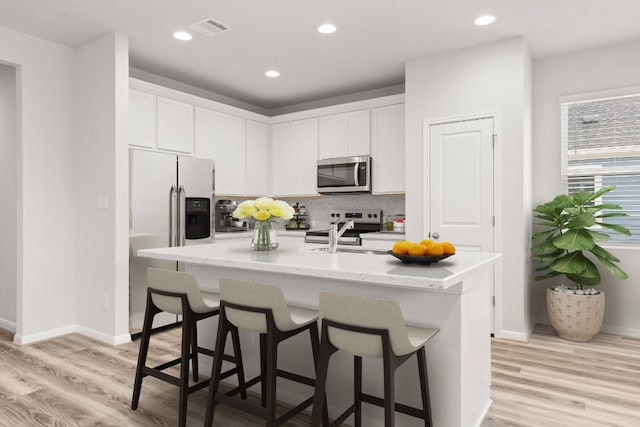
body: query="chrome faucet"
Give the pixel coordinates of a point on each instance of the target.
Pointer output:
(334, 233)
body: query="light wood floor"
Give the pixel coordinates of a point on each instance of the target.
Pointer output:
(547, 382)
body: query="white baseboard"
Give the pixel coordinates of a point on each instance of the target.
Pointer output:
(8, 325)
(54, 333)
(608, 329)
(46, 335)
(513, 335)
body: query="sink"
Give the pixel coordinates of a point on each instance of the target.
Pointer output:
(355, 251)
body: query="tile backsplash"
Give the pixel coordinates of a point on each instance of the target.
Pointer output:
(318, 207)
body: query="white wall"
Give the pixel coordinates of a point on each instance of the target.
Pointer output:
(46, 257)
(8, 198)
(603, 69)
(490, 78)
(102, 170)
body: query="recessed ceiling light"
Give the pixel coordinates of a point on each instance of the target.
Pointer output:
(272, 73)
(484, 20)
(327, 29)
(182, 36)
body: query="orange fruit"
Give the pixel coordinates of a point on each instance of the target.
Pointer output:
(448, 247)
(401, 247)
(417, 250)
(426, 242)
(435, 249)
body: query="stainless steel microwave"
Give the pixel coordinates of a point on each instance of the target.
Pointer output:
(344, 175)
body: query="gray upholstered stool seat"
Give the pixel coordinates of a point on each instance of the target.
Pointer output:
(261, 308)
(372, 327)
(178, 293)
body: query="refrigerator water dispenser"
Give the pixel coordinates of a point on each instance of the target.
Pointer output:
(197, 218)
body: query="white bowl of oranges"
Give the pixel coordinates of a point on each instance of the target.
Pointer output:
(424, 252)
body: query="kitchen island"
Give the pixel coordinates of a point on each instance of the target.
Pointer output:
(453, 295)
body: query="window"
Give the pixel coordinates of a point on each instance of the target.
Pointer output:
(601, 147)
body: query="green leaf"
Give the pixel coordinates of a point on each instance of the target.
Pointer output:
(582, 220)
(602, 253)
(574, 240)
(598, 237)
(542, 234)
(551, 256)
(545, 246)
(572, 263)
(602, 191)
(615, 270)
(611, 215)
(619, 228)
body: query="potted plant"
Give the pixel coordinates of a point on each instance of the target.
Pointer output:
(569, 245)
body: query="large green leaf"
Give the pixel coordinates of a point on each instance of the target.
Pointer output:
(551, 256)
(611, 214)
(545, 246)
(619, 228)
(542, 234)
(602, 253)
(608, 259)
(598, 237)
(574, 240)
(582, 220)
(572, 263)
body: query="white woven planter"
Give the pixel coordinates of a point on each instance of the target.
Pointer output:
(575, 317)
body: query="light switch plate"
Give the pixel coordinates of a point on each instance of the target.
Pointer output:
(103, 201)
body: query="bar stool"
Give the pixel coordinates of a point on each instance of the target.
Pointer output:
(371, 327)
(178, 293)
(261, 308)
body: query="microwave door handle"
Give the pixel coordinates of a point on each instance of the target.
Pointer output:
(356, 167)
(172, 216)
(182, 202)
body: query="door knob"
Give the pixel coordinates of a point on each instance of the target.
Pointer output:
(435, 235)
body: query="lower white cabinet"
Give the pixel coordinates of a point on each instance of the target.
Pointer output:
(175, 125)
(387, 149)
(294, 155)
(257, 159)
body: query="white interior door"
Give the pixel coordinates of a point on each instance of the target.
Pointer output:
(461, 184)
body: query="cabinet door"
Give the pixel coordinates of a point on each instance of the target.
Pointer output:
(332, 136)
(230, 156)
(387, 149)
(358, 133)
(294, 157)
(257, 158)
(175, 126)
(142, 119)
(221, 137)
(345, 134)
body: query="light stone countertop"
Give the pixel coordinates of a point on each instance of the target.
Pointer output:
(295, 257)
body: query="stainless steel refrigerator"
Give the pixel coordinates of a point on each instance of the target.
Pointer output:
(170, 204)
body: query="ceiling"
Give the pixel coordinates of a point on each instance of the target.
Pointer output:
(368, 52)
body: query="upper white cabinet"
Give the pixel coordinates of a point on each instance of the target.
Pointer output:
(387, 149)
(294, 155)
(345, 134)
(142, 119)
(175, 125)
(221, 137)
(257, 159)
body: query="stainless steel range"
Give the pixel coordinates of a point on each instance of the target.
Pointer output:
(364, 221)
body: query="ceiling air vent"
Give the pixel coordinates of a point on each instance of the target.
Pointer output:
(210, 27)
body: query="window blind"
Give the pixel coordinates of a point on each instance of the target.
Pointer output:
(600, 148)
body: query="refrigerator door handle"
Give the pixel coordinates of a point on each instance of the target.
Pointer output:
(182, 201)
(172, 216)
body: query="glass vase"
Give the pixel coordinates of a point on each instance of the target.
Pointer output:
(264, 237)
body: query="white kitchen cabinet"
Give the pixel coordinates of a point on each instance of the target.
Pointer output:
(175, 126)
(345, 134)
(257, 159)
(387, 149)
(294, 155)
(142, 119)
(221, 137)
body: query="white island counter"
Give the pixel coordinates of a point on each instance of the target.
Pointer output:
(453, 295)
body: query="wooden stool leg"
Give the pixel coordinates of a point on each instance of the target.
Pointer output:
(194, 355)
(187, 340)
(315, 348)
(272, 368)
(389, 393)
(237, 352)
(357, 390)
(424, 386)
(320, 395)
(223, 330)
(263, 369)
(150, 313)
